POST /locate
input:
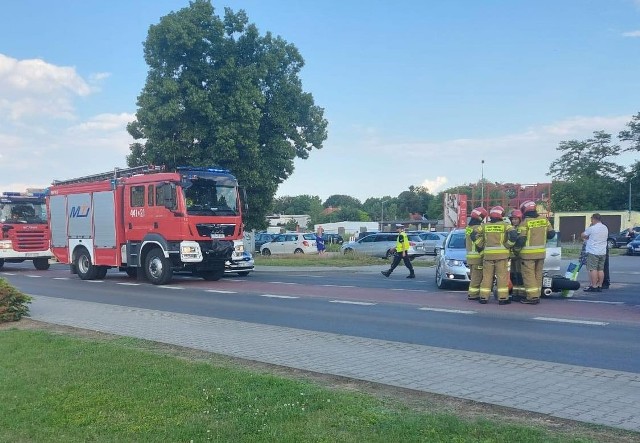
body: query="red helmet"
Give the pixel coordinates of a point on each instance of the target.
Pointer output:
(528, 206)
(496, 212)
(516, 213)
(479, 213)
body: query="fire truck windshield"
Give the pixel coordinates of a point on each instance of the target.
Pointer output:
(206, 197)
(24, 212)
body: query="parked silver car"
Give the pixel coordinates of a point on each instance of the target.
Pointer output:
(432, 241)
(382, 244)
(290, 243)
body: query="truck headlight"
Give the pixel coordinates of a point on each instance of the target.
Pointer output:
(190, 252)
(6, 244)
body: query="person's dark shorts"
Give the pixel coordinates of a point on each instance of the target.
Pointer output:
(595, 262)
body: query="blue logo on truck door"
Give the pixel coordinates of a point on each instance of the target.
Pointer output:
(79, 211)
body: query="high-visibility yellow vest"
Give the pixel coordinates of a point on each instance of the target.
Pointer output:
(495, 240)
(474, 257)
(402, 244)
(535, 230)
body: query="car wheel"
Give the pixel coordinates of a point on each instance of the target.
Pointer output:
(266, 252)
(389, 254)
(611, 243)
(436, 251)
(348, 251)
(298, 251)
(243, 273)
(441, 282)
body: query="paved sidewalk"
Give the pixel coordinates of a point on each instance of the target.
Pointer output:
(573, 392)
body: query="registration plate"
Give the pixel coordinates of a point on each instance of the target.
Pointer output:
(30, 254)
(217, 235)
(546, 282)
(242, 264)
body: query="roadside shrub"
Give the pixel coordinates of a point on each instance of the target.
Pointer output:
(13, 303)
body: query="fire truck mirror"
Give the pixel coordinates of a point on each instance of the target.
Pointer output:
(168, 192)
(243, 197)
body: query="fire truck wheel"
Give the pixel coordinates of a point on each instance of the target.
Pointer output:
(157, 267)
(212, 275)
(86, 271)
(101, 272)
(41, 264)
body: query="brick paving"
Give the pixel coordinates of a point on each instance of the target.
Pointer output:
(585, 394)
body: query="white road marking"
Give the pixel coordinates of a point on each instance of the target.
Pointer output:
(598, 301)
(347, 302)
(9, 273)
(129, 284)
(220, 291)
(94, 281)
(283, 283)
(277, 296)
(566, 320)
(61, 278)
(168, 287)
(338, 286)
(33, 276)
(453, 311)
(409, 290)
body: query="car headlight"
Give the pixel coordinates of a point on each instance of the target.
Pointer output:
(454, 262)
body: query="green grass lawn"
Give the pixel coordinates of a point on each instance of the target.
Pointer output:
(331, 259)
(65, 388)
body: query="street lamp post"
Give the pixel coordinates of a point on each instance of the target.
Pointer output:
(382, 215)
(482, 185)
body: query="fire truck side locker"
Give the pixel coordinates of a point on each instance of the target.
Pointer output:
(73, 226)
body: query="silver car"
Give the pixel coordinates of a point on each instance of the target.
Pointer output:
(451, 266)
(290, 243)
(383, 245)
(241, 261)
(432, 242)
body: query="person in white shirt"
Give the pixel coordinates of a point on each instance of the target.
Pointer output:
(596, 249)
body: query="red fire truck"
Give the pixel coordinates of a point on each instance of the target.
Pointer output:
(147, 222)
(24, 234)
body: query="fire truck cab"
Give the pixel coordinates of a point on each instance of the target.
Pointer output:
(146, 222)
(24, 233)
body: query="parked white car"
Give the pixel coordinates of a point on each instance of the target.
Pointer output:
(290, 243)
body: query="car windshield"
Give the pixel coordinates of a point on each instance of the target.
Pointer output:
(456, 241)
(208, 197)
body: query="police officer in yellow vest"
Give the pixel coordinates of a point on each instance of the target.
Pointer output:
(402, 246)
(534, 232)
(474, 256)
(496, 237)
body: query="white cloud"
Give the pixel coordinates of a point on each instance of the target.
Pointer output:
(631, 34)
(436, 185)
(37, 88)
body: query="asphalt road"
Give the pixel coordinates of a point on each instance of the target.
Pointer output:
(593, 330)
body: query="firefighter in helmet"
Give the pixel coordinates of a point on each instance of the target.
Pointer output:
(515, 272)
(474, 253)
(496, 237)
(534, 232)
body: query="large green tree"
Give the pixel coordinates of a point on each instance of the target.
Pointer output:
(220, 93)
(587, 177)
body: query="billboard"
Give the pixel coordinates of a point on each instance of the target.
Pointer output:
(455, 211)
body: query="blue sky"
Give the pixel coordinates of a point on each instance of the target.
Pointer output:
(415, 92)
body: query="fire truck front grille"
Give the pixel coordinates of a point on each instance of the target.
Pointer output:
(216, 230)
(26, 241)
